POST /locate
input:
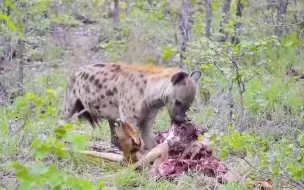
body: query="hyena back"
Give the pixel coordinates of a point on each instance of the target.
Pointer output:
(132, 93)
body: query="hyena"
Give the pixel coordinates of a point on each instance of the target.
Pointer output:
(132, 93)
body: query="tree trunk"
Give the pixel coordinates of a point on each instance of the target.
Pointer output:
(282, 10)
(239, 11)
(116, 18)
(208, 4)
(185, 29)
(224, 21)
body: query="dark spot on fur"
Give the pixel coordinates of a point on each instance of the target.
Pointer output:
(105, 86)
(133, 109)
(104, 105)
(102, 96)
(99, 65)
(130, 77)
(106, 74)
(87, 89)
(116, 78)
(105, 80)
(89, 104)
(86, 76)
(145, 81)
(79, 91)
(141, 90)
(112, 77)
(109, 93)
(132, 80)
(135, 117)
(74, 91)
(83, 75)
(96, 82)
(92, 78)
(93, 93)
(137, 83)
(115, 68)
(97, 107)
(115, 90)
(99, 85)
(111, 102)
(122, 83)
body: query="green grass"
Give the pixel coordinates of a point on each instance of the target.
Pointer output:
(16, 146)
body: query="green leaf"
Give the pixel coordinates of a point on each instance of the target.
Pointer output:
(11, 4)
(301, 139)
(101, 184)
(68, 126)
(11, 25)
(224, 153)
(4, 17)
(52, 92)
(61, 131)
(200, 137)
(207, 66)
(27, 185)
(78, 141)
(168, 52)
(289, 43)
(16, 164)
(21, 101)
(51, 110)
(36, 143)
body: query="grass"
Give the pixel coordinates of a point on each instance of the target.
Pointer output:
(16, 140)
(15, 144)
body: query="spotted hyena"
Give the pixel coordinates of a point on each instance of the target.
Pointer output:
(131, 93)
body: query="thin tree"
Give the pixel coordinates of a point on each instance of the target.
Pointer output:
(208, 4)
(116, 18)
(224, 21)
(281, 12)
(239, 11)
(185, 28)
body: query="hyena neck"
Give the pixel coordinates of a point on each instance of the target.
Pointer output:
(157, 93)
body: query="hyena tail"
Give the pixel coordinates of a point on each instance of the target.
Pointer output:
(77, 107)
(86, 115)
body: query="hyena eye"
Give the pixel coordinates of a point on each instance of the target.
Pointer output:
(178, 103)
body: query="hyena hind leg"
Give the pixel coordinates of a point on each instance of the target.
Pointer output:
(114, 138)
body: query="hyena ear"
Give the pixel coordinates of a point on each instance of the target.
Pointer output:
(196, 75)
(179, 77)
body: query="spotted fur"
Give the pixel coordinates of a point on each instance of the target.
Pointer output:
(131, 93)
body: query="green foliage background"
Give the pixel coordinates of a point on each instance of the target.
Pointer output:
(253, 110)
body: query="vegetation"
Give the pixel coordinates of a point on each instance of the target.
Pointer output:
(251, 97)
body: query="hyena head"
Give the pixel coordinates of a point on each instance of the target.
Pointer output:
(182, 94)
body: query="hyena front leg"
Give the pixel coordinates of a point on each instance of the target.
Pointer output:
(146, 129)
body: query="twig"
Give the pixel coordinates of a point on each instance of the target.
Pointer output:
(77, 115)
(276, 25)
(240, 83)
(268, 173)
(19, 129)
